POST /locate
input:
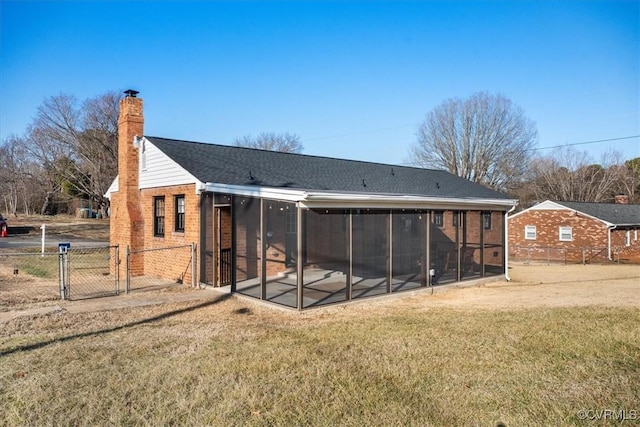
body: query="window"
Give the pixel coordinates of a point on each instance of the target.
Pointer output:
(179, 218)
(566, 234)
(437, 219)
(530, 232)
(158, 216)
(627, 238)
(486, 220)
(455, 219)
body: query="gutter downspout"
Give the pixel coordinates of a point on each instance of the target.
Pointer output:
(609, 228)
(506, 243)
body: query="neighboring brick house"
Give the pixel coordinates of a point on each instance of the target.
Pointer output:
(294, 229)
(576, 232)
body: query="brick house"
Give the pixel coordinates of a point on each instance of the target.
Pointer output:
(299, 230)
(576, 232)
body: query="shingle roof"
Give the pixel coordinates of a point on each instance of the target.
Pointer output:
(232, 165)
(614, 213)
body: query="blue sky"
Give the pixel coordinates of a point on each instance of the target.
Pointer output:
(353, 79)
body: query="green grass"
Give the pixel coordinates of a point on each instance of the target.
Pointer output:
(38, 271)
(390, 364)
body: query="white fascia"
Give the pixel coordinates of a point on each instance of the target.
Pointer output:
(334, 200)
(398, 201)
(250, 191)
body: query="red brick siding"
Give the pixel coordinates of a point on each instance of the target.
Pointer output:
(172, 264)
(126, 223)
(587, 233)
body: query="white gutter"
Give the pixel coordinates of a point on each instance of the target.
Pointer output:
(506, 243)
(330, 200)
(342, 200)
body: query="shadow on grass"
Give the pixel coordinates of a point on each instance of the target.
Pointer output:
(162, 316)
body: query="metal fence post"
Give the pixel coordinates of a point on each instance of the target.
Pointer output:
(116, 255)
(193, 265)
(61, 275)
(128, 271)
(64, 267)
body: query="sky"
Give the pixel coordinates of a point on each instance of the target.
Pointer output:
(353, 79)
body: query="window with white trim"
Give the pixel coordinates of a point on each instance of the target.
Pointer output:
(530, 232)
(565, 234)
(627, 238)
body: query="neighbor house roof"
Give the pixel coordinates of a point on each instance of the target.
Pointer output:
(617, 214)
(614, 213)
(222, 164)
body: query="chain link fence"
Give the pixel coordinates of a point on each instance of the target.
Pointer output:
(29, 277)
(91, 272)
(555, 255)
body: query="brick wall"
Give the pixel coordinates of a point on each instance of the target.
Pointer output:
(172, 264)
(587, 233)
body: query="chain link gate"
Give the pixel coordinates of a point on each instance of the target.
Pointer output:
(88, 272)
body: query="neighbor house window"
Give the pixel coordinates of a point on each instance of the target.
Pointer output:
(530, 232)
(438, 219)
(179, 219)
(566, 234)
(158, 216)
(486, 220)
(627, 238)
(454, 220)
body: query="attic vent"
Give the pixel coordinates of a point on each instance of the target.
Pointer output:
(131, 93)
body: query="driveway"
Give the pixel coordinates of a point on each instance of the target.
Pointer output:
(51, 241)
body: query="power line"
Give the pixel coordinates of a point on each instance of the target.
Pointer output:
(556, 146)
(586, 142)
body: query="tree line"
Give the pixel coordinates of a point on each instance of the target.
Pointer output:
(69, 151)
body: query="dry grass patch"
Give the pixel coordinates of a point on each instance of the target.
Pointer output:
(229, 362)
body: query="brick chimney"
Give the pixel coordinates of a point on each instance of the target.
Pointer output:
(127, 222)
(622, 199)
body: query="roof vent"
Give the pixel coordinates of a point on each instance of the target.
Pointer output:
(131, 93)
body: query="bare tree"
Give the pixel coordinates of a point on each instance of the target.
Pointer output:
(630, 182)
(76, 145)
(19, 177)
(485, 138)
(570, 175)
(284, 142)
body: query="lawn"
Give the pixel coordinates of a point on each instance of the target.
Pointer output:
(422, 360)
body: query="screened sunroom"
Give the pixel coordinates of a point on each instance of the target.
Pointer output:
(304, 250)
